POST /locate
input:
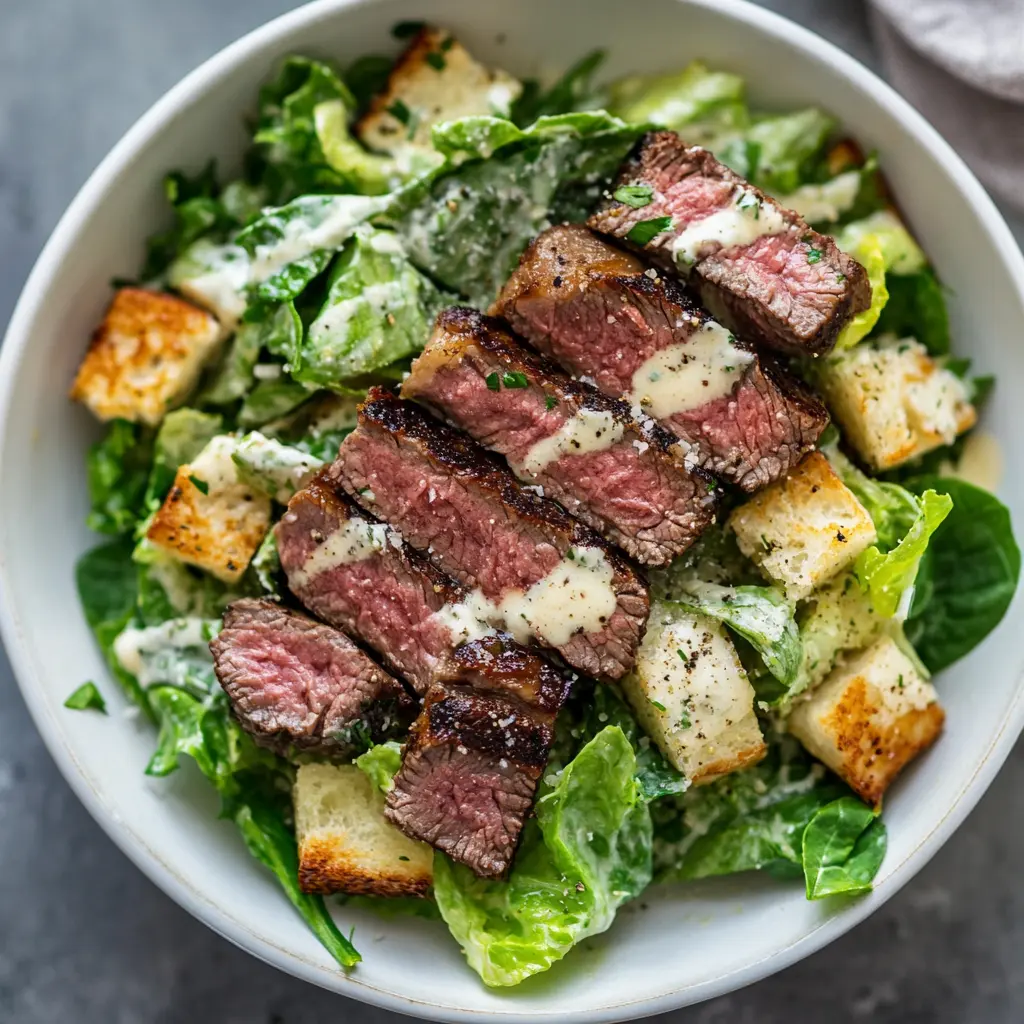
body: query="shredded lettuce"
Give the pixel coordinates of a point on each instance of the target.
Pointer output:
(587, 852)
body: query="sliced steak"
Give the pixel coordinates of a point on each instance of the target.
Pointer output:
(297, 683)
(472, 763)
(357, 574)
(564, 437)
(758, 267)
(635, 333)
(534, 569)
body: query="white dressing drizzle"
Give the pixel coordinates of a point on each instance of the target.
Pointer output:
(745, 219)
(590, 430)
(354, 541)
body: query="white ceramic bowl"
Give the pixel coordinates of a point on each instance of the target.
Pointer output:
(690, 943)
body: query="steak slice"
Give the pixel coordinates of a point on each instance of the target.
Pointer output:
(475, 754)
(534, 570)
(357, 574)
(296, 683)
(625, 480)
(602, 315)
(759, 268)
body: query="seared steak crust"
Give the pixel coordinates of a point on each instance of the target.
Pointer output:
(389, 600)
(463, 509)
(793, 290)
(600, 313)
(476, 752)
(633, 488)
(295, 683)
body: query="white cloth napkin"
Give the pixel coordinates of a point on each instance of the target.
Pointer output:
(961, 63)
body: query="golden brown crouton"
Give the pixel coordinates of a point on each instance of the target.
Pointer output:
(692, 696)
(210, 518)
(871, 717)
(145, 357)
(346, 843)
(894, 402)
(434, 80)
(804, 528)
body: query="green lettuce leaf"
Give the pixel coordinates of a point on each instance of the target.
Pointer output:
(272, 399)
(87, 698)
(917, 308)
(788, 148)
(843, 847)
(253, 786)
(573, 91)
(276, 469)
(378, 309)
(380, 764)
(901, 253)
(706, 103)
(968, 576)
(761, 615)
(108, 590)
(174, 652)
(587, 852)
(117, 468)
(467, 225)
(868, 252)
(183, 434)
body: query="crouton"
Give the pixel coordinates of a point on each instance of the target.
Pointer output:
(435, 80)
(211, 518)
(692, 696)
(345, 842)
(804, 528)
(869, 718)
(835, 619)
(893, 401)
(145, 357)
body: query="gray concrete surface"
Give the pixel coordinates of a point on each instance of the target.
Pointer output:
(84, 937)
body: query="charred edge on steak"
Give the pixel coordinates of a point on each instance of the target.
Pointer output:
(669, 505)
(296, 684)
(829, 289)
(606, 307)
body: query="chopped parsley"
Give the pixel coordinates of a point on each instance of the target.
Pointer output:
(657, 704)
(447, 43)
(400, 112)
(87, 698)
(643, 231)
(637, 196)
(684, 720)
(436, 60)
(814, 255)
(550, 402)
(683, 657)
(407, 29)
(493, 384)
(200, 485)
(515, 379)
(571, 555)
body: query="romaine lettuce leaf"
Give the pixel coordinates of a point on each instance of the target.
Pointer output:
(378, 309)
(467, 225)
(272, 399)
(917, 308)
(117, 468)
(87, 697)
(587, 852)
(183, 434)
(702, 103)
(253, 786)
(277, 469)
(825, 202)
(380, 764)
(968, 576)
(901, 253)
(843, 847)
(573, 91)
(788, 148)
(868, 252)
(175, 652)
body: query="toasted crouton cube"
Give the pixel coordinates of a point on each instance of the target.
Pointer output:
(870, 718)
(435, 80)
(692, 696)
(145, 357)
(804, 528)
(833, 620)
(345, 842)
(893, 401)
(211, 518)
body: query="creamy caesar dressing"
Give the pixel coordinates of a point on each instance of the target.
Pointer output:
(355, 540)
(981, 462)
(827, 201)
(690, 374)
(325, 224)
(375, 300)
(153, 654)
(575, 597)
(589, 430)
(215, 465)
(744, 220)
(215, 277)
(278, 470)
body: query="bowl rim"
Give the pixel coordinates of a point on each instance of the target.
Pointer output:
(207, 75)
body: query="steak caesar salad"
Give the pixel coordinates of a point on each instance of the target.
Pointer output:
(519, 496)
